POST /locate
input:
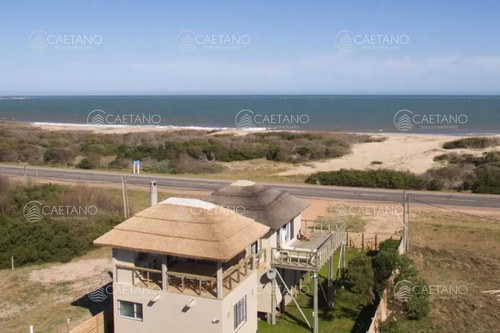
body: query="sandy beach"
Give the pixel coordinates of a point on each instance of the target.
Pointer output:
(403, 152)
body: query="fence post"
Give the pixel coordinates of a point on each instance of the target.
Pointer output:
(363, 241)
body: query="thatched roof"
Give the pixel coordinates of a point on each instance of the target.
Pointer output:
(270, 207)
(187, 228)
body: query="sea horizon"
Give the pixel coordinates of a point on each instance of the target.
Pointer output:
(464, 114)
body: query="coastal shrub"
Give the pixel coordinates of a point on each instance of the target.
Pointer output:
(360, 278)
(389, 245)
(157, 166)
(455, 158)
(490, 157)
(488, 180)
(9, 154)
(120, 163)
(90, 162)
(453, 176)
(61, 147)
(54, 238)
(384, 262)
(58, 156)
(406, 267)
(390, 326)
(473, 142)
(369, 178)
(418, 307)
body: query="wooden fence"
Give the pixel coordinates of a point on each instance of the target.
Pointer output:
(380, 314)
(369, 241)
(97, 324)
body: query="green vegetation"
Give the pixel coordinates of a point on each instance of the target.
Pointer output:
(348, 315)
(368, 275)
(183, 151)
(466, 172)
(473, 142)
(360, 278)
(62, 233)
(462, 172)
(370, 178)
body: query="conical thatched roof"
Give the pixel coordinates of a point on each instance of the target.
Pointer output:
(270, 207)
(188, 228)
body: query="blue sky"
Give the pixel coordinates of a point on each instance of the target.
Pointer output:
(452, 47)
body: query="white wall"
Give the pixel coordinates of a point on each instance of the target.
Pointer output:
(169, 314)
(124, 257)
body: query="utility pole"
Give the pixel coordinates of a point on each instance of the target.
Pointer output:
(124, 195)
(408, 222)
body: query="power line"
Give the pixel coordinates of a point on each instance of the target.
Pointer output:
(455, 211)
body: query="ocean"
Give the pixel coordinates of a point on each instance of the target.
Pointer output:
(465, 115)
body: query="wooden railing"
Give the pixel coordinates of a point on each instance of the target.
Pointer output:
(295, 258)
(314, 259)
(202, 285)
(237, 271)
(261, 257)
(321, 226)
(196, 283)
(144, 277)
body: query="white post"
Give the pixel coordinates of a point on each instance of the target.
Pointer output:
(31, 328)
(115, 270)
(164, 277)
(154, 193)
(315, 303)
(138, 167)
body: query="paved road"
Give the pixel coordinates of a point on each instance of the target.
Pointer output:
(317, 191)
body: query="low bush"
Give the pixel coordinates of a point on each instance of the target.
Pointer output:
(55, 237)
(370, 178)
(360, 278)
(473, 142)
(58, 156)
(488, 180)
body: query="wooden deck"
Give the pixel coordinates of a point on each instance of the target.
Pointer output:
(308, 255)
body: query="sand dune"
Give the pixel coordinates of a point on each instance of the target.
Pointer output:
(404, 152)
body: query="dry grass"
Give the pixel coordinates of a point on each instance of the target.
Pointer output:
(456, 249)
(46, 305)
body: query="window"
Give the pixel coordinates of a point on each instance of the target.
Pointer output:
(130, 310)
(254, 248)
(240, 313)
(287, 232)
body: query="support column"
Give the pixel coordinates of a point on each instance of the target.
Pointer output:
(164, 277)
(220, 291)
(271, 317)
(330, 266)
(315, 303)
(115, 271)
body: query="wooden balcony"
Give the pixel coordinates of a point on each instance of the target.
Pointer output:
(194, 279)
(318, 243)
